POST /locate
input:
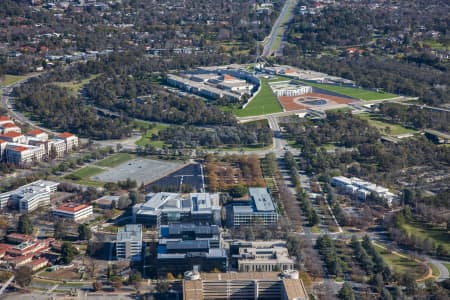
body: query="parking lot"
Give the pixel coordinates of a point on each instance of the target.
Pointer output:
(140, 169)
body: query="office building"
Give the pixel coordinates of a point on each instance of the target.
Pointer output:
(259, 210)
(245, 286)
(289, 88)
(260, 256)
(31, 196)
(191, 232)
(362, 189)
(70, 140)
(129, 242)
(73, 211)
(167, 208)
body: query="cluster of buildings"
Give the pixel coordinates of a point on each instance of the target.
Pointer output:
(216, 83)
(34, 146)
(362, 189)
(29, 197)
(190, 233)
(21, 250)
(289, 88)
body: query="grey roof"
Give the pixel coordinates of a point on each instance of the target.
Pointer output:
(130, 233)
(261, 199)
(177, 229)
(183, 245)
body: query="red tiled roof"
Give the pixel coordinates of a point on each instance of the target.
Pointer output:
(20, 148)
(19, 236)
(35, 132)
(8, 125)
(290, 71)
(11, 134)
(39, 261)
(2, 141)
(65, 135)
(228, 77)
(4, 118)
(72, 207)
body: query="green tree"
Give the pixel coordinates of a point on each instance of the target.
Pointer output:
(25, 226)
(238, 191)
(84, 232)
(346, 292)
(68, 252)
(23, 276)
(59, 231)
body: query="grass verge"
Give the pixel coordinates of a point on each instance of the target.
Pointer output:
(263, 103)
(358, 93)
(386, 127)
(11, 79)
(115, 160)
(401, 264)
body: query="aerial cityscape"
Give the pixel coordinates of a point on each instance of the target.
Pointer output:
(219, 150)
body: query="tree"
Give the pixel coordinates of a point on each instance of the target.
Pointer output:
(68, 252)
(162, 286)
(97, 285)
(23, 276)
(84, 232)
(59, 230)
(238, 191)
(25, 226)
(346, 292)
(135, 278)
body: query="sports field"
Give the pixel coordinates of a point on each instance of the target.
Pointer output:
(357, 93)
(263, 103)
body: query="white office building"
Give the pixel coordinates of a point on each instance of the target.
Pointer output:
(129, 242)
(260, 210)
(73, 211)
(31, 196)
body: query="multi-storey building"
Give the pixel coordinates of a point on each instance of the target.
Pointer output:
(70, 140)
(168, 208)
(260, 256)
(13, 137)
(38, 134)
(259, 210)
(73, 211)
(21, 155)
(31, 196)
(248, 286)
(129, 242)
(9, 127)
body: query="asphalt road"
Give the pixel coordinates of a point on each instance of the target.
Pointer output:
(269, 47)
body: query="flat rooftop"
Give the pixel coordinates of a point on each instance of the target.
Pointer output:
(261, 199)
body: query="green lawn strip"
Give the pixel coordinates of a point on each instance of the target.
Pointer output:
(264, 102)
(11, 79)
(394, 129)
(146, 138)
(115, 160)
(438, 234)
(76, 85)
(447, 265)
(357, 93)
(88, 171)
(401, 264)
(435, 270)
(315, 229)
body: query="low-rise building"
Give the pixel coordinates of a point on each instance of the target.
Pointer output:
(129, 242)
(192, 232)
(248, 285)
(39, 263)
(362, 189)
(13, 137)
(73, 211)
(107, 202)
(167, 208)
(9, 127)
(260, 256)
(289, 88)
(31, 196)
(259, 210)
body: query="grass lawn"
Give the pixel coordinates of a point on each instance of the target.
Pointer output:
(146, 138)
(115, 160)
(75, 86)
(435, 269)
(438, 234)
(11, 79)
(357, 93)
(84, 174)
(263, 103)
(394, 129)
(401, 264)
(447, 265)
